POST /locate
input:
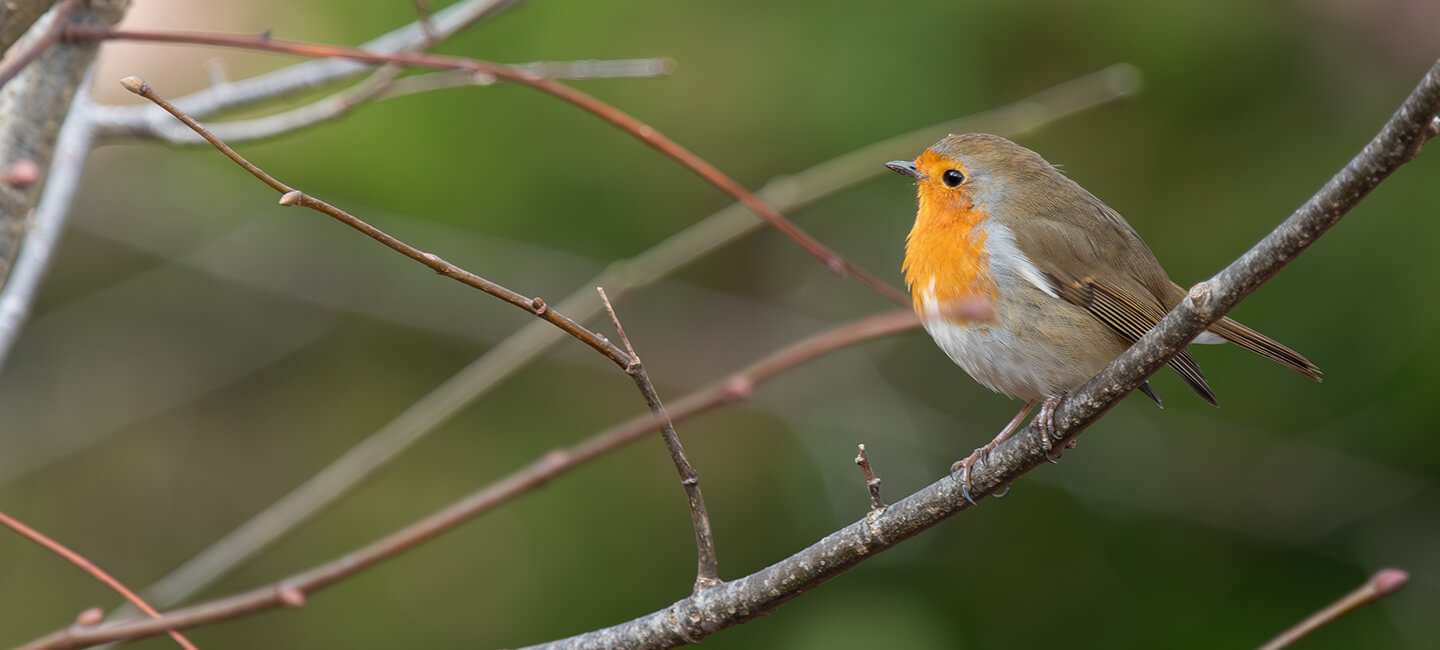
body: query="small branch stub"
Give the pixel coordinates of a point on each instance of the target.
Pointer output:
(871, 481)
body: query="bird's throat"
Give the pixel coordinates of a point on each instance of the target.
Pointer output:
(945, 259)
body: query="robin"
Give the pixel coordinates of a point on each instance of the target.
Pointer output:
(1033, 285)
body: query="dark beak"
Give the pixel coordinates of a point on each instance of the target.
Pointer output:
(905, 168)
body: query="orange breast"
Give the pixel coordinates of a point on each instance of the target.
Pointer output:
(947, 248)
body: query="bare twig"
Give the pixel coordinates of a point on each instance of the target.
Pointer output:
(645, 133)
(872, 482)
(36, 47)
(707, 572)
(89, 568)
(382, 85)
(291, 196)
(147, 121)
(736, 387)
(1380, 585)
(736, 601)
(536, 338)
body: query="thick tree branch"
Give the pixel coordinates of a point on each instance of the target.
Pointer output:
(691, 619)
(16, 16)
(47, 221)
(33, 106)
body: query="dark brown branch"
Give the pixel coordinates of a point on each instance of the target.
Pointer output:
(872, 482)
(291, 196)
(624, 121)
(734, 388)
(1380, 585)
(707, 572)
(691, 619)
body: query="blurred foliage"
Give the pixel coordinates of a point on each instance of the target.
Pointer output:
(154, 405)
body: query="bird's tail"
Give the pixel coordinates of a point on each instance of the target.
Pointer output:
(1264, 346)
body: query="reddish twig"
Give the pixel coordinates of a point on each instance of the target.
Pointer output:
(626, 122)
(1380, 585)
(872, 482)
(90, 568)
(736, 387)
(52, 35)
(291, 196)
(707, 573)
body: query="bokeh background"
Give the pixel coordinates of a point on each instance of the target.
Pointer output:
(199, 351)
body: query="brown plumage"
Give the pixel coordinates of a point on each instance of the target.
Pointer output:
(1031, 284)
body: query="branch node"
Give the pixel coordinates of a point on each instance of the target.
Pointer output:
(555, 459)
(21, 173)
(291, 596)
(539, 307)
(688, 481)
(135, 85)
(293, 197)
(738, 388)
(634, 366)
(90, 617)
(1200, 298)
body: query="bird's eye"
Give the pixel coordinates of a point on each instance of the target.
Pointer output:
(952, 177)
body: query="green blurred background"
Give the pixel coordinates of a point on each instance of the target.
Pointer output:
(199, 351)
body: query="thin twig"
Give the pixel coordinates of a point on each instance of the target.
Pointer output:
(736, 387)
(382, 85)
(291, 196)
(872, 482)
(1380, 585)
(536, 338)
(91, 569)
(144, 120)
(645, 133)
(52, 34)
(707, 572)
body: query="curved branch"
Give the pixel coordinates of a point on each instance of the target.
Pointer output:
(691, 619)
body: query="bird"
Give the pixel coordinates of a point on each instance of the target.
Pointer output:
(1032, 285)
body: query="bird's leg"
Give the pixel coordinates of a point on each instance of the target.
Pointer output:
(1045, 419)
(963, 466)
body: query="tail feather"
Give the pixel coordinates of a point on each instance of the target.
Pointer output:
(1264, 346)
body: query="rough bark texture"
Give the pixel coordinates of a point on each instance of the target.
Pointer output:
(32, 107)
